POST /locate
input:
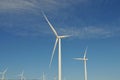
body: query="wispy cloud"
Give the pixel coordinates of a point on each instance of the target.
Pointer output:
(22, 30)
(11, 5)
(47, 5)
(91, 32)
(19, 5)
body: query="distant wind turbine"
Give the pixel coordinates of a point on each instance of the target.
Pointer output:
(3, 74)
(85, 67)
(55, 77)
(64, 78)
(58, 41)
(43, 76)
(22, 76)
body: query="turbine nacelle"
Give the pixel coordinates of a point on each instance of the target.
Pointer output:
(86, 59)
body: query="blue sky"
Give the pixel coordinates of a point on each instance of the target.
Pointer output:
(26, 41)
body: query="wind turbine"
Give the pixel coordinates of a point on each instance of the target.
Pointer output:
(22, 76)
(85, 67)
(55, 77)
(43, 76)
(58, 41)
(64, 78)
(3, 74)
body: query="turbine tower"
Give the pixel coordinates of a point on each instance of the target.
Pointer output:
(43, 76)
(3, 74)
(58, 41)
(85, 67)
(22, 76)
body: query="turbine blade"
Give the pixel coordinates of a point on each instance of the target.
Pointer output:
(50, 24)
(65, 36)
(24, 78)
(53, 52)
(5, 71)
(43, 77)
(78, 58)
(85, 52)
(22, 73)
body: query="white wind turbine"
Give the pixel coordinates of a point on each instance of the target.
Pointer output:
(58, 41)
(43, 76)
(55, 77)
(22, 76)
(64, 78)
(85, 67)
(3, 74)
